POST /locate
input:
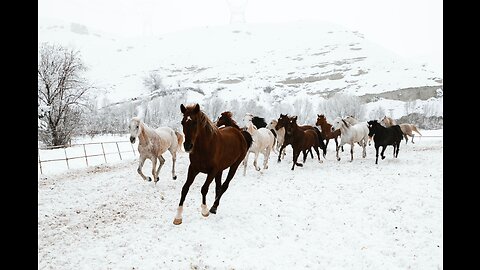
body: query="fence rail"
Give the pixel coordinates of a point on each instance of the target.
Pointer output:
(66, 158)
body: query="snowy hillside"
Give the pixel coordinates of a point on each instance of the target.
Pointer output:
(268, 63)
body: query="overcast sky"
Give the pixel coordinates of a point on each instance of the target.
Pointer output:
(411, 28)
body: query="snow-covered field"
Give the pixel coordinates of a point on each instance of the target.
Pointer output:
(334, 215)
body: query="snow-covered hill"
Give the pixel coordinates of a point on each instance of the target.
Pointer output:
(266, 62)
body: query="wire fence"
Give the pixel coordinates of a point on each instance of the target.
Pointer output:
(79, 155)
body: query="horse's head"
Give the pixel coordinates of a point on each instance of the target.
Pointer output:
(372, 126)
(272, 124)
(338, 123)
(225, 119)
(291, 125)
(321, 120)
(135, 128)
(351, 120)
(282, 121)
(190, 124)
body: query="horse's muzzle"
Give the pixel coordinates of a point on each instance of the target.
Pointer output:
(187, 146)
(132, 139)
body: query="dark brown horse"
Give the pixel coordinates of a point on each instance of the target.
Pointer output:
(211, 150)
(301, 140)
(283, 120)
(226, 119)
(327, 130)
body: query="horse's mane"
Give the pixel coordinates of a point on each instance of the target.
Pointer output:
(206, 123)
(259, 121)
(229, 115)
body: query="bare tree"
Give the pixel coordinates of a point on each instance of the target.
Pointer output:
(153, 82)
(377, 113)
(303, 109)
(61, 89)
(341, 105)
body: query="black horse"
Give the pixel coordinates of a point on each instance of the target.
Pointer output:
(383, 136)
(259, 122)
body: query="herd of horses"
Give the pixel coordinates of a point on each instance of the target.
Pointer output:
(215, 146)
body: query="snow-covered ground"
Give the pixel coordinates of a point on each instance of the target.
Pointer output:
(334, 215)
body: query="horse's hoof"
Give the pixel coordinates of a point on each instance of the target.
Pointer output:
(175, 177)
(278, 161)
(158, 178)
(149, 179)
(299, 164)
(177, 221)
(383, 157)
(213, 210)
(205, 215)
(258, 169)
(338, 159)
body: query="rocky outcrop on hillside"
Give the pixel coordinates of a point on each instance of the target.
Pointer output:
(422, 121)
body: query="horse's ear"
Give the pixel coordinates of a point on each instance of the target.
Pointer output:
(182, 108)
(318, 115)
(196, 109)
(294, 118)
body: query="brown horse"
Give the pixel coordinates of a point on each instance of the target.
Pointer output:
(226, 119)
(283, 120)
(327, 130)
(406, 128)
(301, 140)
(211, 150)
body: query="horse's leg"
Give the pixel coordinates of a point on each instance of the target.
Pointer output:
(383, 151)
(311, 153)
(281, 149)
(295, 158)
(364, 145)
(413, 136)
(406, 138)
(255, 160)
(338, 148)
(224, 187)
(245, 162)
(218, 183)
(192, 173)
(305, 155)
(162, 161)
(204, 191)
(174, 159)
(266, 156)
(398, 149)
(351, 151)
(139, 169)
(154, 169)
(376, 155)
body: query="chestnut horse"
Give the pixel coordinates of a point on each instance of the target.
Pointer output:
(211, 150)
(327, 130)
(282, 122)
(301, 140)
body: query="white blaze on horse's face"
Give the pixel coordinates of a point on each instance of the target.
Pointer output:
(134, 129)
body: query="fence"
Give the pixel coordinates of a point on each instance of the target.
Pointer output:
(79, 151)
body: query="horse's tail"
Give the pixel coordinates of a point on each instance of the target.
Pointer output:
(248, 138)
(179, 140)
(414, 128)
(320, 141)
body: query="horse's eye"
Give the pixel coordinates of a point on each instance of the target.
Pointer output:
(137, 126)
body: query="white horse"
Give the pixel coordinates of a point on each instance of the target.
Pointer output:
(280, 137)
(152, 143)
(353, 121)
(351, 134)
(263, 140)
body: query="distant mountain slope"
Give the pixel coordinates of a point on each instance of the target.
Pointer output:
(268, 63)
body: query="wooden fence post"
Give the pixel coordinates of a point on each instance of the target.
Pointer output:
(85, 151)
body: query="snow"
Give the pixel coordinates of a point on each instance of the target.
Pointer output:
(334, 215)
